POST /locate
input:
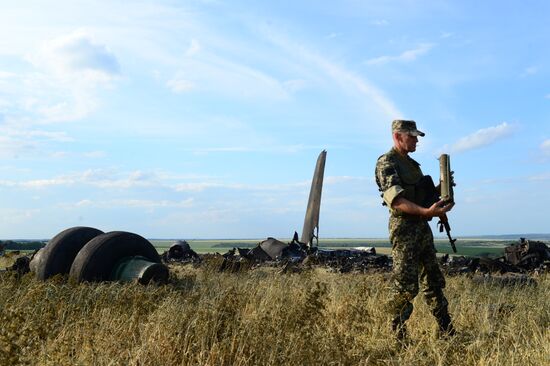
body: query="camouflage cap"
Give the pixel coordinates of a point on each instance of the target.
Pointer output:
(401, 125)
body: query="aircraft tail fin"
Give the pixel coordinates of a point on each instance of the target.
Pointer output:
(311, 220)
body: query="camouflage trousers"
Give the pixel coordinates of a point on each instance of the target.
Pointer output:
(414, 259)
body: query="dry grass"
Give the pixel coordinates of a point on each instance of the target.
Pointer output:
(263, 318)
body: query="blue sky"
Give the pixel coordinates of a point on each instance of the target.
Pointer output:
(204, 119)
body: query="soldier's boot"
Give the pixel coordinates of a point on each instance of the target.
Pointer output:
(446, 328)
(399, 330)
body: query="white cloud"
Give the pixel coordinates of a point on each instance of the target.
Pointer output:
(83, 203)
(49, 135)
(201, 186)
(77, 53)
(16, 216)
(21, 140)
(480, 138)
(76, 106)
(194, 48)
(328, 70)
(216, 73)
(380, 22)
(89, 155)
(545, 147)
(540, 178)
(531, 70)
(345, 179)
(132, 203)
(99, 178)
(547, 96)
(5, 75)
(59, 154)
(295, 85)
(95, 154)
(59, 84)
(179, 85)
(43, 183)
(280, 149)
(63, 84)
(406, 56)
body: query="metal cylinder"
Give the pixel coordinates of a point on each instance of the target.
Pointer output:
(139, 269)
(445, 180)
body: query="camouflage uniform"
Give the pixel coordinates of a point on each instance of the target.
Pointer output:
(412, 244)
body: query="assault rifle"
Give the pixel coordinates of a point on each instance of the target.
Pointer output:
(444, 224)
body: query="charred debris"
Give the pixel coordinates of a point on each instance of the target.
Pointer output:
(522, 257)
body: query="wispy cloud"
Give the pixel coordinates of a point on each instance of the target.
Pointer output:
(59, 81)
(540, 177)
(345, 179)
(380, 22)
(335, 73)
(99, 178)
(95, 154)
(545, 147)
(406, 56)
(201, 186)
(295, 85)
(531, 70)
(17, 216)
(90, 154)
(194, 48)
(131, 203)
(279, 149)
(77, 54)
(480, 138)
(328, 180)
(179, 85)
(17, 140)
(216, 72)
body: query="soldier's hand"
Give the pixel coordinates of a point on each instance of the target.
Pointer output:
(440, 208)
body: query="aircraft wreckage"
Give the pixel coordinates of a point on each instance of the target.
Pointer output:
(87, 254)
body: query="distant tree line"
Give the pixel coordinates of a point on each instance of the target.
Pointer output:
(22, 245)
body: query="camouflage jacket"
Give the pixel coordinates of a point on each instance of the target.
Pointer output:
(397, 175)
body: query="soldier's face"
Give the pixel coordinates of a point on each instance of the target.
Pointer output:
(406, 142)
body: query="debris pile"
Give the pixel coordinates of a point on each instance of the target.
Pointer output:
(527, 254)
(522, 257)
(350, 260)
(181, 252)
(275, 253)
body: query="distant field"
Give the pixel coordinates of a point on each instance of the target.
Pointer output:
(467, 247)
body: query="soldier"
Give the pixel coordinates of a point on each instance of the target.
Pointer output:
(398, 177)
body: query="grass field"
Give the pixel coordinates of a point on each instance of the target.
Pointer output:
(262, 317)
